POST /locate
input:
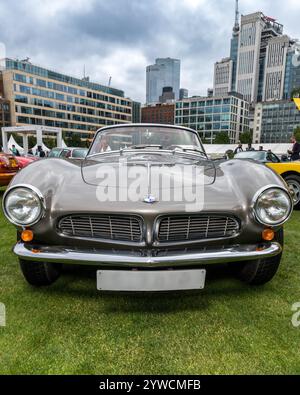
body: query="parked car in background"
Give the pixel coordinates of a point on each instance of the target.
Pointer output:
(114, 211)
(8, 168)
(25, 160)
(70, 153)
(288, 170)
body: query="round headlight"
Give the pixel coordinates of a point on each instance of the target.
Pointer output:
(273, 206)
(23, 206)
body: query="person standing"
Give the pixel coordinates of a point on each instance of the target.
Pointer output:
(239, 148)
(250, 148)
(40, 152)
(15, 151)
(295, 152)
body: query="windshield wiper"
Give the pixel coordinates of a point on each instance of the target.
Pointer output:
(186, 149)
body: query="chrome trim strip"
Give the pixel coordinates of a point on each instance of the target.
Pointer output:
(67, 255)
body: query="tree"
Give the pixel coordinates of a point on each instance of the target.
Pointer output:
(74, 140)
(246, 138)
(295, 93)
(222, 138)
(297, 133)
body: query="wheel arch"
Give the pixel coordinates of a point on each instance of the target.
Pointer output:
(290, 173)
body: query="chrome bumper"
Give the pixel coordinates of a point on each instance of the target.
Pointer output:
(146, 259)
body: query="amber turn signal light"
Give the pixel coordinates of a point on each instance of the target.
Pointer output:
(268, 234)
(27, 235)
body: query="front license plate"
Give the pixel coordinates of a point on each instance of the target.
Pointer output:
(143, 281)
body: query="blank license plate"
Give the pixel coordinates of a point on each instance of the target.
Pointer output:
(139, 281)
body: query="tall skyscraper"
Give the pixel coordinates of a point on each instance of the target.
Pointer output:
(164, 73)
(255, 33)
(234, 45)
(260, 66)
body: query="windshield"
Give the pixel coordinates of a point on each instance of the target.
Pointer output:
(79, 153)
(135, 137)
(255, 155)
(54, 153)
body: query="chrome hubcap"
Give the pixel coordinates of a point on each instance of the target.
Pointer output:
(294, 187)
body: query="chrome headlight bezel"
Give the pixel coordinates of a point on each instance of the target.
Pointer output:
(260, 193)
(31, 189)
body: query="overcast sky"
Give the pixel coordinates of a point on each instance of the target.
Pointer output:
(119, 38)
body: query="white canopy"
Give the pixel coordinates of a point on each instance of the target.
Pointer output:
(220, 149)
(12, 142)
(38, 130)
(45, 148)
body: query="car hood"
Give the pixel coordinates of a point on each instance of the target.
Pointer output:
(112, 170)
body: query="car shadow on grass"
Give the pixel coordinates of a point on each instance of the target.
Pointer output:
(80, 283)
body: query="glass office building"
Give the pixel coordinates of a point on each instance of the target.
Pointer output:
(276, 121)
(164, 73)
(39, 96)
(212, 115)
(292, 74)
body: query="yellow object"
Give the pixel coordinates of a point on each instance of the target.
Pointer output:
(27, 235)
(268, 235)
(297, 102)
(285, 167)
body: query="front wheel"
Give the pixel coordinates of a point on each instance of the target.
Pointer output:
(293, 182)
(261, 271)
(40, 274)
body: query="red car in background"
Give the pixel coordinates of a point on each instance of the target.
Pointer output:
(24, 161)
(8, 168)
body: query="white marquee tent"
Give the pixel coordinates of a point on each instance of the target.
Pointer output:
(220, 149)
(12, 142)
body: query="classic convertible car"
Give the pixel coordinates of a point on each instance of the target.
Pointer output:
(289, 171)
(149, 211)
(8, 168)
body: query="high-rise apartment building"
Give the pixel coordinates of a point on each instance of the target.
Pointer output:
(39, 96)
(275, 65)
(164, 73)
(223, 77)
(255, 33)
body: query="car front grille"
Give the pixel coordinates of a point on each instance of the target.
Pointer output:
(109, 227)
(196, 227)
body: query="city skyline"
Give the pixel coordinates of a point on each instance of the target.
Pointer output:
(120, 41)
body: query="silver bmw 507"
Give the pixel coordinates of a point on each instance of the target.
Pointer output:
(150, 211)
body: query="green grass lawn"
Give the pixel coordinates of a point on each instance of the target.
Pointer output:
(227, 328)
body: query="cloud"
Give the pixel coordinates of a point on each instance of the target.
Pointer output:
(119, 38)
